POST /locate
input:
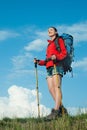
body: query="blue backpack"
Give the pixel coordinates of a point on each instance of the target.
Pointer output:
(67, 61)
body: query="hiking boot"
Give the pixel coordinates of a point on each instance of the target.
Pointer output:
(63, 110)
(54, 115)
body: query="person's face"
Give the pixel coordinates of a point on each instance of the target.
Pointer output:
(51, 32)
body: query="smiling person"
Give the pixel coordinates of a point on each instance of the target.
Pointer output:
(54, 71)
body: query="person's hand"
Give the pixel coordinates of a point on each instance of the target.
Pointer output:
(53, 57)
(36, 61)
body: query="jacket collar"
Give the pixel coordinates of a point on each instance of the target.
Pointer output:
(49, 41)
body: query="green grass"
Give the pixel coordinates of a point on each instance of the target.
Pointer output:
(62, 123)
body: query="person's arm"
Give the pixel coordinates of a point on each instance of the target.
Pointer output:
(40, 62)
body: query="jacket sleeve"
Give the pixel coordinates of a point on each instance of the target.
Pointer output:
(63, 52)
(42, 62)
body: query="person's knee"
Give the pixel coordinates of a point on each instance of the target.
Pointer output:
(59, 86)
(51, 88)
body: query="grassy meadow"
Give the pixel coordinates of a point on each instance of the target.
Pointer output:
(62, 123)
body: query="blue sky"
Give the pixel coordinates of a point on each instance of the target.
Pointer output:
(23, 36)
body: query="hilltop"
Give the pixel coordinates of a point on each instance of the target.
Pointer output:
(62, 123)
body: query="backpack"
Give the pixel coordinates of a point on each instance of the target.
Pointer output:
(67, 61)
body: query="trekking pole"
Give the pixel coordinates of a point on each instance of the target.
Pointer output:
(36, 73)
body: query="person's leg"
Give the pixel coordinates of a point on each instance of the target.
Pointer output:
(53, 83)
(51, 87)
(56, 80)
(54, 86)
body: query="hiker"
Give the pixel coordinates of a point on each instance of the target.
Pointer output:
(54, 71)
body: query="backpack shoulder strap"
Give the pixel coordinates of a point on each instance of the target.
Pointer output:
(56, 41)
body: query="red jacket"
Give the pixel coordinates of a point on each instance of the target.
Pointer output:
(51, 50)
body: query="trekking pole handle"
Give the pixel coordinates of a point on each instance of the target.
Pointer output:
(35, 65)
(54, 61)
(35, 62)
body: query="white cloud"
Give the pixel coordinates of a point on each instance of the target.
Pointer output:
(5, 34)
(76, 111)
(42, 34)
(21, 102)
(23, 67)
(21, 61)
(78, 31)
(36, 45)
(81, 64)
